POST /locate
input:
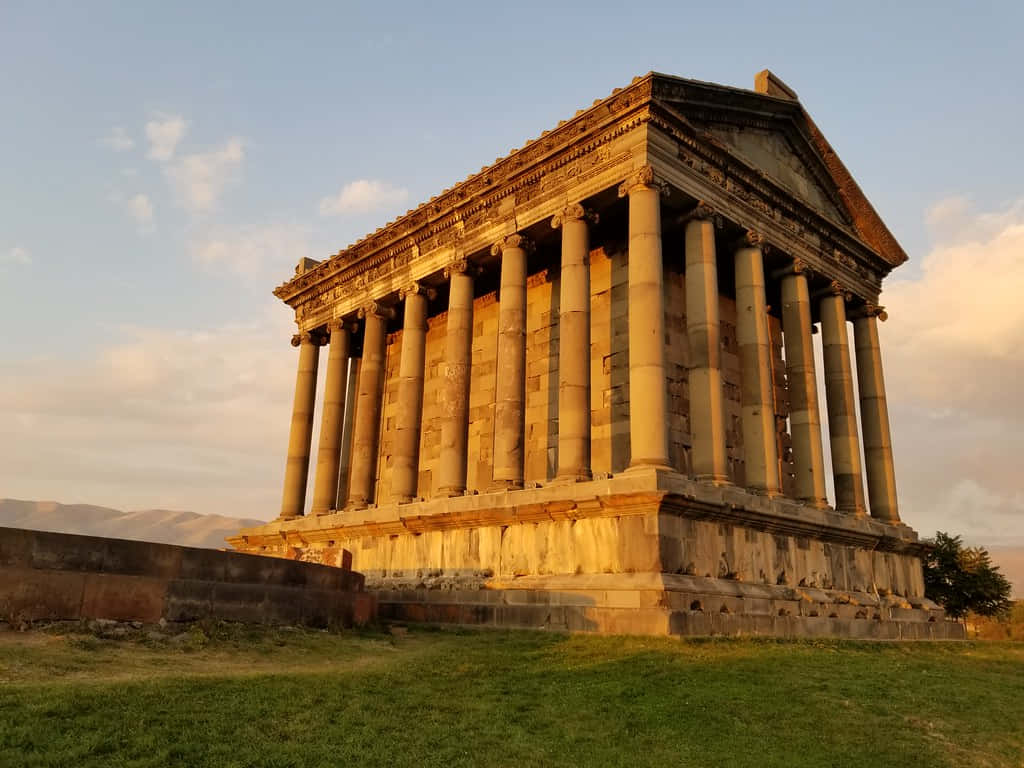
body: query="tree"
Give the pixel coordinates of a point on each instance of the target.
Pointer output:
(963, 579)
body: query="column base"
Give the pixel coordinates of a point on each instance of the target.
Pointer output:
(853, 511)
(640, 464)
(505, 485)
(450, 493)
(720, 480)
(815, 503)
(573, 477)
(289, 517)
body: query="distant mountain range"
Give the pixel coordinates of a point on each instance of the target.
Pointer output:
(160, 525)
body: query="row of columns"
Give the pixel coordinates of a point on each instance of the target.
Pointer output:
(647, 375)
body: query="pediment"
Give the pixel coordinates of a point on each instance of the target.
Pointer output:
(774, 154)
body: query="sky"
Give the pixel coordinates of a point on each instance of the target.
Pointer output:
(164, 166)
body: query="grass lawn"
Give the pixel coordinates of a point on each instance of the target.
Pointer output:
(228, 696)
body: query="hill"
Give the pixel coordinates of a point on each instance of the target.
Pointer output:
(160, 525)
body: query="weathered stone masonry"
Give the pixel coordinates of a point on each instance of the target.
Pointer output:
(586, 392)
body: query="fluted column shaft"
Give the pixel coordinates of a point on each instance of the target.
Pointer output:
(703, 332)
(510, 387)
(844, 440)
(648, 401)
(574, 345)
(348, 425)
(409, 419)
(756, 402)
(455, 390)
(296, 471)
(804, 417)
(366, 431)
(328, 459)
(874, 414)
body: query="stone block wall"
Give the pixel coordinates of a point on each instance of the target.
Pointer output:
(59, 576)
(609, 358)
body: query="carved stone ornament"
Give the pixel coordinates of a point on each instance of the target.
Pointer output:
(376, 309)
(572, 213)
(418, 289)
(836, 289)
(751, 239)
(512, 241)
(702, 212)
(869, 310)
(461, 267)
(341, 324)
(309, 337)
(642, 177)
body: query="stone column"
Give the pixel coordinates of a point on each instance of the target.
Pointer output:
(874, 415)
(458, 355)
(703, 332)
(346, 430)
(510, 388)
(409, 419)
(804, 418)
(328, 458)
(296, 471)
(842, 415)
(366, 431)
(756, 399)
(648, 400)
(574, 345)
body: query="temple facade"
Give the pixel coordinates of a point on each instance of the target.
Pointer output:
(578, 390)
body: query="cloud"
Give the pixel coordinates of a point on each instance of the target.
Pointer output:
(141, 209)
(954, 360)
(262, 253)
(17, 255)
(155, 418)
(362, 196)
(164, 134)
(118, 140)
(200, 179)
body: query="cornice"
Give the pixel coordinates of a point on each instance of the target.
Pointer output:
(470, 202)
(748, 187)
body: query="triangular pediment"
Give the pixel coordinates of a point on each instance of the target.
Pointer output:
(773, 154)
(769, 131)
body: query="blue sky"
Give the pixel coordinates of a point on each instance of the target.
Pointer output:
(164, 166)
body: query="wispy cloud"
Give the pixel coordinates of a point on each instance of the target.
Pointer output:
(163, 134)
(262, 253)
(362, 196)
(200, 179)
(17, 255)
(141, 209)
(118, 140)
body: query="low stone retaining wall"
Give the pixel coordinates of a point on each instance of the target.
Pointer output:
(58, 576)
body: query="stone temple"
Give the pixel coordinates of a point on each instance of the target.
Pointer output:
(578, 390)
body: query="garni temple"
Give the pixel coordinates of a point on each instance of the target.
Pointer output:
(578, 390)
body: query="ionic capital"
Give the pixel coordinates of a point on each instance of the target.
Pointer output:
(340, 324)
(376, 309)
(751, 239)
(461, 267)
(512, 241)
(835, 288)
(642, 178)
(573, 212)
(795, 267)
(868, 310)
(702, 212)
(309, 337)
(417, 289)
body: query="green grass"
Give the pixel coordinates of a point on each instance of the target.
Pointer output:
(233, 697)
